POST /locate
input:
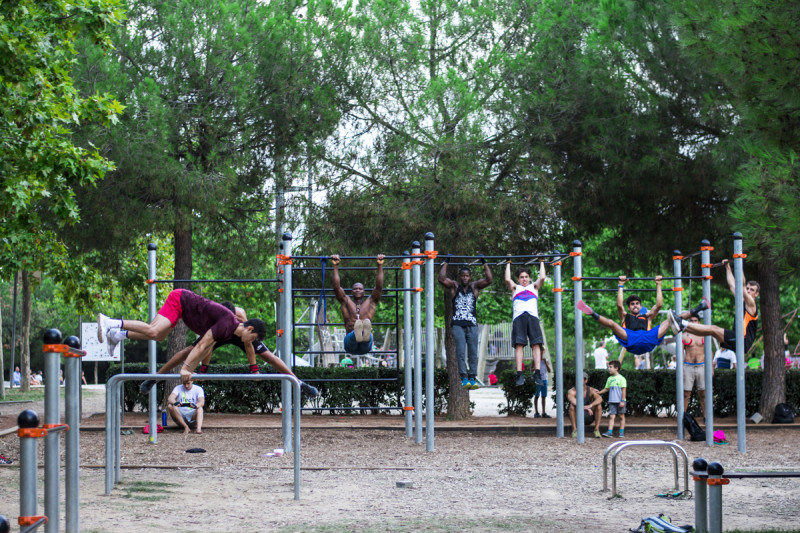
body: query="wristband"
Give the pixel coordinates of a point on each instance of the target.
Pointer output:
(621, 286)
(177, 404)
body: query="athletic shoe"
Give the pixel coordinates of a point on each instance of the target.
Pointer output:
(585, 308)
(113, 337)
(366, 333)
(702, 306)
(621, 432)
(465, 384)
(608, 434)
(574, 434)
(147, 385)
(675, 322)
(597, 433)
(545, 415)
(309, 390)
(520, 380)
(358, 330)
(473, 384)
(537, 378)
(537, 415)
(4, 461)
(102, 326)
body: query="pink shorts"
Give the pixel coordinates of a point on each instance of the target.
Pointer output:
(171, 310)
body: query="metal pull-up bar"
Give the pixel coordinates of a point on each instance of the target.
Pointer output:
(645, 278)
(151, 281)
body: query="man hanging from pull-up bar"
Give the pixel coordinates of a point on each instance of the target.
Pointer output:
(357, 312)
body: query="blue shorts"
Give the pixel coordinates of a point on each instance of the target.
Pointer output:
(541, 390)
(640, 342)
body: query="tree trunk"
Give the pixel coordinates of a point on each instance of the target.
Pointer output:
(25, 347)
(773, 385)
(458, 398)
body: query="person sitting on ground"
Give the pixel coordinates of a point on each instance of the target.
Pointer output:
(616, 387)
(726, 337)
(185, 406)
(541, 390)
(464, 295)
(213, 322)
(525, 326)
(592, 406)
(251, 349)
(635, 335)
(357, 312)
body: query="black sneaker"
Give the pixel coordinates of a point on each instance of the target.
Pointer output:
(310, 391)
(702, 306)
(520, 379)
(537, 378)
(147, 385)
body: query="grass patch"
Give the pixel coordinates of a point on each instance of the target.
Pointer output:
(147, 491)
(435, 525)
(16, 395)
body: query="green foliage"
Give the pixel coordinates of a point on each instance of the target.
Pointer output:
(264, 396)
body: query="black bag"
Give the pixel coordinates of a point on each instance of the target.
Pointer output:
(784, 414)
(692, 428)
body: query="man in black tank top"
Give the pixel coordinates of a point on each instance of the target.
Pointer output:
(464, 294)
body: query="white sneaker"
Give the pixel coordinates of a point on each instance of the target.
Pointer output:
(358, 330)
(366, 331)
(102, 326)
(675, 322)
(113, 337)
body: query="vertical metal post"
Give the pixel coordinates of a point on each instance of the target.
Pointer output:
(741, 436)
(288, 323)
(715, 483)
(279, 306)
(676, 269)
(408, 352)
(151, 345)
(700, 501)
(52, 453)
(430, 347)
(708, 356)
(28, 466)
(72, 378)
(415, 274)
(559, 374)
(14, 331)
(577, 256)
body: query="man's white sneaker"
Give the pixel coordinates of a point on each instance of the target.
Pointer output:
(675, 322)
(366, 332)
(102, 326)
(358, 330)
(113, 337)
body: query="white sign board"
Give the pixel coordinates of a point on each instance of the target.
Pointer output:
(96, 350)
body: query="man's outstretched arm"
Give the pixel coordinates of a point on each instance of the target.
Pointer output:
(378, 290)
(337, 282)
(487, 275)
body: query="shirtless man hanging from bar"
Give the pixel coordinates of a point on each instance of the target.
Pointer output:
(357, 312)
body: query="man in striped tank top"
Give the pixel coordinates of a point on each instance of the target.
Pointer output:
(526, 327)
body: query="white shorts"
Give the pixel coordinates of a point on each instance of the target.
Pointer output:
(694, 375)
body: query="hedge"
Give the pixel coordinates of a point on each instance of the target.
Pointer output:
(652, 392)
(264, 396)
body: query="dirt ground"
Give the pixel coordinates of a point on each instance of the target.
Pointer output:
(501, 474)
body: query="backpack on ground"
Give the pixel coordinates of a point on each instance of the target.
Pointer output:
(691, 427)
(661, 524)
(784, 414)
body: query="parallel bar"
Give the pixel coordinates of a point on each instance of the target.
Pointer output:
(341, 268)
(504, 257)
(316, 297)
(374, 408)
(52, 453)
(649, 278)
(72, 391)
(321, 352)
(339, 324)
(345, 257)
(614, 290)
(366, 289)
(275, 280)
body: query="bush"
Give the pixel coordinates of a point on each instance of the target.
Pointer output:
(336, 389)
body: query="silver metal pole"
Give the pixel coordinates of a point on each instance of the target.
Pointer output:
(700, 497)
(408, 352)
(430, 350)
(676, 269)
(557, 297)
(52, 452)
(741, 435)
(415, 274)
(14, 331)
(288, 323)
(279, 306)
(578, 269)
(28, 464)
(72, 390)
(715, 472)
(708, 356)
(151, 345)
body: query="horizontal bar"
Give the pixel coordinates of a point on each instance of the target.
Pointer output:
(332, 297)
(316, 352)
(487, 257)
(347, 408)
(214, 281)
(370, 289)
(611, 278)
(349, 257)
(613, 290)
(296, 268)
(341, 324)
(353, 380)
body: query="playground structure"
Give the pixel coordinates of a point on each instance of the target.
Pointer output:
(617, 448)
(709, 479)
(29, 431)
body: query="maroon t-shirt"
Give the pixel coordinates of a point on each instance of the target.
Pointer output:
(200, 315)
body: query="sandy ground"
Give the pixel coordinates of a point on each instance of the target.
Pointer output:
(472, 481)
